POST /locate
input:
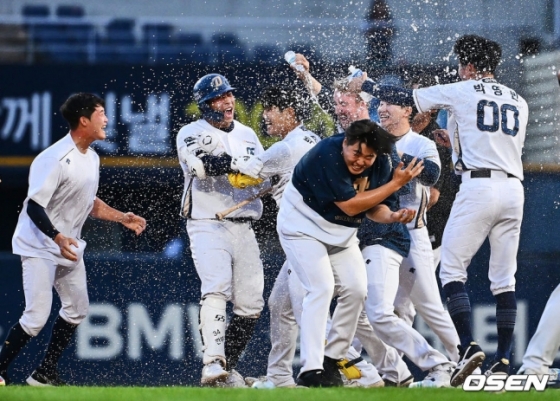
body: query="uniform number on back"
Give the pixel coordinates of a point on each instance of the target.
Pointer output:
(490, 109)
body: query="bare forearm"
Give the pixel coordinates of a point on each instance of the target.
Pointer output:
(380, 214)
(103, 211)
(368, 199)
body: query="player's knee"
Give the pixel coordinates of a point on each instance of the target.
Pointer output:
(33, 323)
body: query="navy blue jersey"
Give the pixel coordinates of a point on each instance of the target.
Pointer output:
(394, 236)
(322, 178)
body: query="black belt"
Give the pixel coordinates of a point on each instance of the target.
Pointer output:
(240, 219)
(485, 173)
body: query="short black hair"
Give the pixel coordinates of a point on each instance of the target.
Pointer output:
(80, 105)
(371, 134)
(484, 54)
(284, 98)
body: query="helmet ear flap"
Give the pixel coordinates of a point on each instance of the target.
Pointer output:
(210, 114)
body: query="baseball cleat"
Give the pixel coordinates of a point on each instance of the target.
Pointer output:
(470, 358)
(404, 383)
(213, 373)
(234, 380)
(313, 378)
(40, 379)
(331, 372)
(500, 367)
(439, 376)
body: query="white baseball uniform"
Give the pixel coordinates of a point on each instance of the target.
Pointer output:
(225, 253)
(544, 344)
(488, 121)
(321, 245)
(286, 298)
(417, 282)
(64, 182)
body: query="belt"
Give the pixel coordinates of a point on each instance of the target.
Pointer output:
(486, 173)
(239, 219)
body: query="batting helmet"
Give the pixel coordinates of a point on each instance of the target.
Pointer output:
(207, 88)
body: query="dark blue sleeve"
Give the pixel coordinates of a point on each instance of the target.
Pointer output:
(216, 165)
(335, 183)
(390, 93)
(429, 175)
(39, 217)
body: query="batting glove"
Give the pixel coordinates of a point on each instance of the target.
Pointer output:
(208, 141)
(194, 164)
(248, 165)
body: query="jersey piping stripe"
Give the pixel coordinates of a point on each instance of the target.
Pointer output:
(66, 154)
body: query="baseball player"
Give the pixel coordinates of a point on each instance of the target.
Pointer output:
(488, 122)
(283, 113)
(349, 105)
(331, 189)
(63, 181)
(225, 252)
(544, 344)
(391, 270)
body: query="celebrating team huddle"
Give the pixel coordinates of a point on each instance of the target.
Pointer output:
(352, 222)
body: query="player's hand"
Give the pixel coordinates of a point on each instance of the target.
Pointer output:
(194, 164)
(134, 222)
(303, 62)
(248, 165)
(441, 137)
(404, 216)
(65, 244)
(355, 84)
(403, 175)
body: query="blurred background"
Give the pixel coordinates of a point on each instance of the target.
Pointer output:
(143, 57)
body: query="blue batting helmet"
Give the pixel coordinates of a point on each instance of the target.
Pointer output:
(207, 88)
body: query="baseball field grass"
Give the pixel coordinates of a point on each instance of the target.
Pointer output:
(25, 393)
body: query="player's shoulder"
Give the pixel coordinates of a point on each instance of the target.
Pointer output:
(302, 134)
(59, 149)
(191, 129)
(242, 128)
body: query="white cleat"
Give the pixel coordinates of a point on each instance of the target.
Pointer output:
(234, 380)
(439, 376)
(213, 373)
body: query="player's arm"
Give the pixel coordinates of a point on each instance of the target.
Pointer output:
(39, 217)
(103, 211)
(368, 199)
(196, 154)
(431, 171)
(382, 214)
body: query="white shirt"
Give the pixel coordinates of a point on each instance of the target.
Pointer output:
(207, 197)
(64, 181)
(490, 122)
(281, 158)
(416, 145)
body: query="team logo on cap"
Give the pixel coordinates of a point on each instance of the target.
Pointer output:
(216, 82)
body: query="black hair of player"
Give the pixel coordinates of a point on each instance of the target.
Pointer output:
(370, 134)
(484, 54)
(80, 105)
(284, 98)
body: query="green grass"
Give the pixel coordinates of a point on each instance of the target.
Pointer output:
(25, 393)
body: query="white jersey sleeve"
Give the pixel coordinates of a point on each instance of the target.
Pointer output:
(281, 158)
(489, 120)
(44, 176)
(417, 199)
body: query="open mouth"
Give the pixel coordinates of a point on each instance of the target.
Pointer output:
(228, 112)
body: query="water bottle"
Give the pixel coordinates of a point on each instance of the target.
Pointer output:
(354, 72)
(290, 57)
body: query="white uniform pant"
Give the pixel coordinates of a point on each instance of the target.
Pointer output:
(383, 267)
(320, 267)
(544, 344)
(39, 278)
(419, 290)
(227, 259)
(285, 304)
(484, 207)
